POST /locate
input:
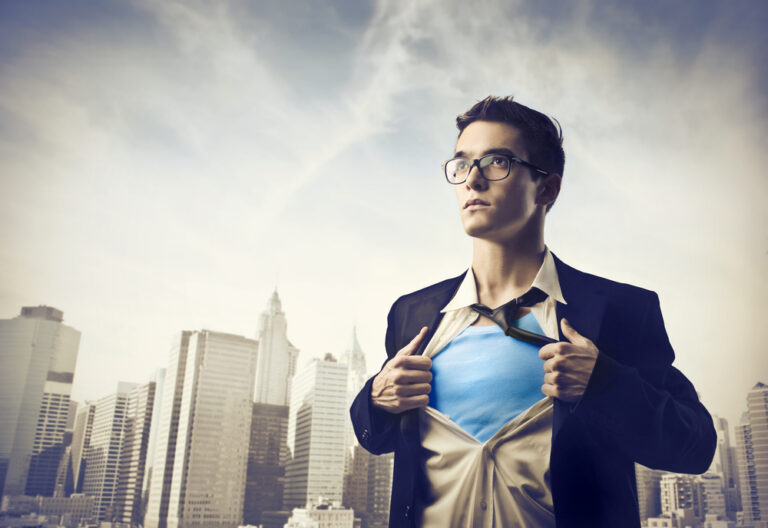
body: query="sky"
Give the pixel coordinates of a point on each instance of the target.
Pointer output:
(167, 165)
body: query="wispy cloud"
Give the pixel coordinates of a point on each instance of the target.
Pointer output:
(164, 162)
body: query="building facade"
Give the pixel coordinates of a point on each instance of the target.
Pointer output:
(129, 507)
(267, 456)
(316, 439)
(277, 356)
(752, 456)
(214, 426)
(38, 354)
(102, 457)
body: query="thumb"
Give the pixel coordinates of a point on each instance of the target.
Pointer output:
(571, 334)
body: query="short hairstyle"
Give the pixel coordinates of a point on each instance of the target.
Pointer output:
(542, 135)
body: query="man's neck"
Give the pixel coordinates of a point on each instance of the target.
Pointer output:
(506, 270)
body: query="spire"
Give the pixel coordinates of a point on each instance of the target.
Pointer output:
(354, 345)
(274, 305)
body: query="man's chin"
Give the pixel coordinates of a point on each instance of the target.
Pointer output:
(477, 230)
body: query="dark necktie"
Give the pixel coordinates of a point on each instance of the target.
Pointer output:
(506, 313)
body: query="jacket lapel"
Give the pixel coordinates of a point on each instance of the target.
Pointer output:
(584, 310)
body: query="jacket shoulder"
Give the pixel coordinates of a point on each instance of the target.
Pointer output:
(612, 288)
(443, 289)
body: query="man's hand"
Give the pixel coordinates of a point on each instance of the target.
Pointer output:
(567, 366)
(403, 383)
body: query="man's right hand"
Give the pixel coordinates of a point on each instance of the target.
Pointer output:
(403, 383)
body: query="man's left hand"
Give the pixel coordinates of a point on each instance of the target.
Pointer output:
(567, 366)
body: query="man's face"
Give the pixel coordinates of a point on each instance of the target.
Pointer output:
(496, 210)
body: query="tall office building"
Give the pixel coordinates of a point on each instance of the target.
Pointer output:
(648, 491)
(159, 379)
(277, 356)
(267, 456)
(681, 492)
(102, 457)
(713, 498)
(81, 438)
(379, 490)
(724, 464)
(38, 354)
(752, 455)
(356, 482)
(316, 421)
(129, 508)
(214, 427)
(167, 427)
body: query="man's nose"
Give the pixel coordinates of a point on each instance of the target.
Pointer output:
(475, 178)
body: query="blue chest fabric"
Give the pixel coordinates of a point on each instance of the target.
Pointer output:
(483, 378)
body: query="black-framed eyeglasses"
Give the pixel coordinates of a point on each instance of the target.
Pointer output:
(492, 167)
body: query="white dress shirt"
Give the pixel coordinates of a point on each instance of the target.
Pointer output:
(504, 481)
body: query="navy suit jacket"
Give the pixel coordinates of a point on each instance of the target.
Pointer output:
(637, 407)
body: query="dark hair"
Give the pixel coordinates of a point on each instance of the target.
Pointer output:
(541, 134)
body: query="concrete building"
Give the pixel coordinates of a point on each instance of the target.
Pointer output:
(81, 438)
(680, 492)
(752, 456)
(267, 456)
(277, 356)
(321, 514)
(214, 427)
(316, 427)
(648, 491)
(167, 428)
(713, 496)
(38, 354)
(102, 457)
(379, 490)
(129, 508)
(724, 464)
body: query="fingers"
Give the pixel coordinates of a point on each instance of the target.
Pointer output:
(416, 389)
(411, 363)
(548, 351)
(411, 347)
(409, 377)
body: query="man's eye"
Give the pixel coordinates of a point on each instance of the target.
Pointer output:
(500, 161)
(461, 165)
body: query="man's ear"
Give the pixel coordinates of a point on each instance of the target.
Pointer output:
(548, 189)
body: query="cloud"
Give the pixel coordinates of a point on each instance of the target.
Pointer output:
(166, 161)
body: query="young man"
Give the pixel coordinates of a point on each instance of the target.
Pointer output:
(522, 392)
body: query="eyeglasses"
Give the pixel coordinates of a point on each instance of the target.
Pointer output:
(492, 167)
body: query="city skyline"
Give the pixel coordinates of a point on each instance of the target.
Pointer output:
(120, 433)
(168, 165)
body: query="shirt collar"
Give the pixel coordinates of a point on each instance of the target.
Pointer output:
(546, 280)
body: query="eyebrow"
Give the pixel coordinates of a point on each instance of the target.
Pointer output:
(498, 150)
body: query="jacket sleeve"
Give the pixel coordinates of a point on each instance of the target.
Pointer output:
(374, 428)
(650, 412)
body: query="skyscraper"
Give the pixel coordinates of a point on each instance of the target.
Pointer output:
(102, 457)
(379, 490)
(214, 426)
(129, 508)
(267, 456)
(38, 354)
(277, 356)
(167, 431)
(724, 464)
(316, 425)
(81, 438)
(681, 492)
(648, 491)
(752, 455)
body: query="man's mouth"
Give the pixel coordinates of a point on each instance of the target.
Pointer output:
(475, 201)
